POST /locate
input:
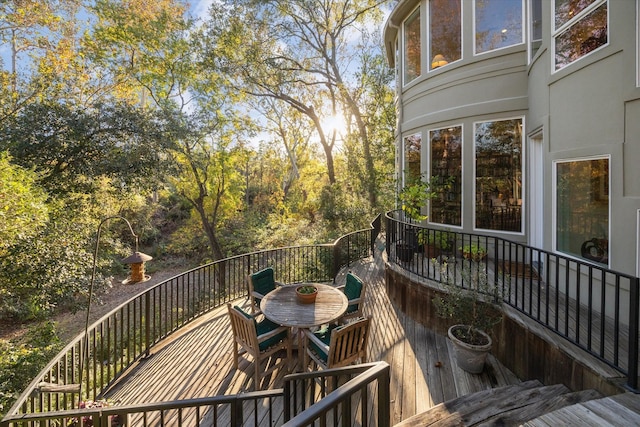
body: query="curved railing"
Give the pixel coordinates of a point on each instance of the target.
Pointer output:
(127, 333)
(593, 307)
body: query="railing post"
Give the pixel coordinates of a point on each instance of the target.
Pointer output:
(236, 413)
(384, 399)
(336, 260)
(632, 376)
(147, 322)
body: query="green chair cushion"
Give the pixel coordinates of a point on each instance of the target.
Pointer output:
(352, 290)
(323, 335)
(265, 326)
(264, 281)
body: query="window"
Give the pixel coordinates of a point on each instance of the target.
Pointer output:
(445, 32)
(412, 146)
(446, 175)
(411, 45)
(498, 153)
(580, 28)
(498, 24)
(582, 208)
(535, 27)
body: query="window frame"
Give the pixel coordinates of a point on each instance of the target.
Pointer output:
(462, 172)
(530, 24)
(554, 204)
(523, 30)
(556, 32)
(430, 54)
(523, 162)
(418, 18)
(405, 169)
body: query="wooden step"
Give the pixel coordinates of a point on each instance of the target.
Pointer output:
(620, 410)
(509, 405)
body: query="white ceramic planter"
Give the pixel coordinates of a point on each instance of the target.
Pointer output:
(470, 357)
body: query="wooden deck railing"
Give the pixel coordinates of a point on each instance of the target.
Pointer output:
(127, 333)
(592, 306)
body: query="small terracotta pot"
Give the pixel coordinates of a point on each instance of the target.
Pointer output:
(306, 298)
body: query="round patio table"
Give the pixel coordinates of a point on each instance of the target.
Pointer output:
(282, 307)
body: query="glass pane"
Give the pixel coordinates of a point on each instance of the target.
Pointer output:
(536, 26)
(567, 9)
(498, 24)
(412, 145)
(583, 37)
(583, 209)
(445, 32)
(499, 175)
(446, 176)
(412, 46)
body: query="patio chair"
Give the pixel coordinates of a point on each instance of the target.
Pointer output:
(337, 346)
(354, 289)
(260, 283)
(261, 340)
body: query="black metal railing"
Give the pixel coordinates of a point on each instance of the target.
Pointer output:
(590, 305)
(344, 396)
(127, 333)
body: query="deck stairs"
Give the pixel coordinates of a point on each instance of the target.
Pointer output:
(534, 405)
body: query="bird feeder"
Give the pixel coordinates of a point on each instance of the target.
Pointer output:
(137, 260)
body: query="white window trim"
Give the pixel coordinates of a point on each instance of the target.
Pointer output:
(473, 35)
(403, 45)
(523, 207)
(555, 32)
(430, 54)
(530, 31)
(462, 189)
(638, 43)
(554, 203)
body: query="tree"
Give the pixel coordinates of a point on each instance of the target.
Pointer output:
(300, 53)
(71, 148)
(210, 171)
(23, 207)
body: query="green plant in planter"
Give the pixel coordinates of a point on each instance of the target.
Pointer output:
(306, 289)
(440, 239)
(475, 307)
(473, 251)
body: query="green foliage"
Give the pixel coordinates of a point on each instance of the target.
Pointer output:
(71, 148)
(20, 362)
(23, 208)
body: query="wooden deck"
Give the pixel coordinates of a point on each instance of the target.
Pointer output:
(197, 362)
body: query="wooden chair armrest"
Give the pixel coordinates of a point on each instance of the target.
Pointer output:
(257, 294)
(341, 287)
(311, 337)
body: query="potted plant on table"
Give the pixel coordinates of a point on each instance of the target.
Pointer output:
(474, 312)
(306, 294)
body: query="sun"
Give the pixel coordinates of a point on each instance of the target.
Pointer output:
(335, 123)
